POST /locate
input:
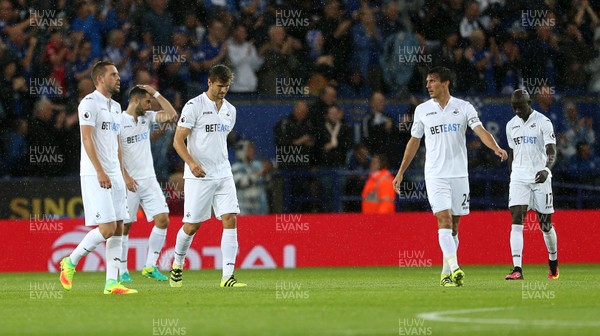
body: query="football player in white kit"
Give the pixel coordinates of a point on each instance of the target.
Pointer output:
(443, 120)
(140, 178)
(102, 185)
(205, 122)
(531, 137)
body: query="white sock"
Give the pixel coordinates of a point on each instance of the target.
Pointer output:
(114, 245)
(89, 243)
(229, 247)
(448, 247)
(446, 268)
(124, 252)
(155, 245)
(551, 244)
(516, 244)
(181, 247)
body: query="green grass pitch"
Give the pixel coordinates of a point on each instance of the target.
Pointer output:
(313, 301)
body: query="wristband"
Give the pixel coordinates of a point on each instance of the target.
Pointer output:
(548, 170)
(156, 94)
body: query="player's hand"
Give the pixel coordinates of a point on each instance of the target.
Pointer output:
(131, 183)
(397, 181)
(148, 89)
(501, 153)
(541, 176)
(197, 170)
(104, 180)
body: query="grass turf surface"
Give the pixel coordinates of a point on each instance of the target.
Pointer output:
(315, 301)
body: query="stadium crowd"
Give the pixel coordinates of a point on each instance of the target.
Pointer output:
(333, 50)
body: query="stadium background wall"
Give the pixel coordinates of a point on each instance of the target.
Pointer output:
(299, 240)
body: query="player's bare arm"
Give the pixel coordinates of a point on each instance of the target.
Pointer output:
(490, 142)
(181, 133)
(90, 148)
(409, 154)
(167, 113)
(542, 175)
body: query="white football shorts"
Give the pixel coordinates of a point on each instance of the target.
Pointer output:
(201, 195)
(449, 193)
(537, 196)
(150, 196)
(104, 205)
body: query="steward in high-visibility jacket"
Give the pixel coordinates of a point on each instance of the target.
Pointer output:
(378, 195)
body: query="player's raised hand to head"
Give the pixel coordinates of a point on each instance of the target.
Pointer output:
(501, 153)
(397, 181)
(197, 170)
(541, 176)
(148, 89)
(104, 180)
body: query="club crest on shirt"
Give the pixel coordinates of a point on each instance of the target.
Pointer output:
(455, 112)
(532, 126)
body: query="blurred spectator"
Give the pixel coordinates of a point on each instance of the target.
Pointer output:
(390, 22)
(244, 61)
(593, 67)
(81, 67)
(378, 194)
(86, 23)
(379, 131)
(584, 166)
(121, 56)
(509, 71)
(484, 60)
(367, 46)
(354, 87)
(398, 61)
(540, 59)
(251, 176)
(318, 110)
(15, 98)
(9, 19)
(281, 64)
(546, 104)
(213, 50)
(358, 161)
(195, 30)
(585, 17)
(45, 139)
(579, 53)
(23, 45)
(295, 149)
(174, 72)
(335, 27)
(575, 129)
(158, 23)
(334, 139)
(472, 21)
(17, 149)
(56, 54)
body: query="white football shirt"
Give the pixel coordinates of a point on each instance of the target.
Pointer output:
(528, 141)
(207, 141)
(445, 139)
(135, 144)
(104, 115)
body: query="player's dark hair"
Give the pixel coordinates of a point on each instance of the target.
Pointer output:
(443, 73)
(137, 91)
(99, 69)
(383, 160)
(220, 73)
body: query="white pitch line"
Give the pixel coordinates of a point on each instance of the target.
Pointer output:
(443, 316)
